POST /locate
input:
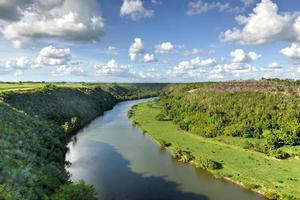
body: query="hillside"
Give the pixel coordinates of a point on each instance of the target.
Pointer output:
(248, 132)
(35, 125)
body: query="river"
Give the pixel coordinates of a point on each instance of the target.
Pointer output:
(124, 164)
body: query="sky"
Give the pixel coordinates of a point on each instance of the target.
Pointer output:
(149, 41)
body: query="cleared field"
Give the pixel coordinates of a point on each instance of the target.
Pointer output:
(251, 169)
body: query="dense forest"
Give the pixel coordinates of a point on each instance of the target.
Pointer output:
(35, 125)
(266, 109)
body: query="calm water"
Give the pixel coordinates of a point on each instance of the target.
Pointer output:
(124, 164)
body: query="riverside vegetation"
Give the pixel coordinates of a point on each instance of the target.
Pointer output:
(246, 132)
(36, 120)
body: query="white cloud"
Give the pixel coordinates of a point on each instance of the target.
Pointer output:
(18, 65)
(112, 67)
(136, 48)
(275, 65)
(112, 50)
(69, 70)
(247, 2)
(191, 68)
(292, 52)
(149, 58)
(264, 25)
(239, 56)
(165, 47)
(135, 9)
(199, 7)
(63, 19)
(151, 74)
(156, 1)
(194, 51)
(197, 62)
(53, 56)
(238, 67)
(21, 63)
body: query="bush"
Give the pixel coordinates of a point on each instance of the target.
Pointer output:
(160, 117)
(130, 113)
(163, 143)
(76, 191)
(205, 163)
(279, 154)
(182, 155)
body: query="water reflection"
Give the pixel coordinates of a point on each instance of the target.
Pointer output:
(124, 164)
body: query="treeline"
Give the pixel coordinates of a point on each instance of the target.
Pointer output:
(34, 130)
(266, 109)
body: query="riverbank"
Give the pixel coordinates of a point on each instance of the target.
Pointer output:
(35, 126)
(252, 170)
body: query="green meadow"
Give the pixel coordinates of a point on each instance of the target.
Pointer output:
(253, 170)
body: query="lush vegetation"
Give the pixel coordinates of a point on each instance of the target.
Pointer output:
(34, 128)
(238, 110)
(237, 130)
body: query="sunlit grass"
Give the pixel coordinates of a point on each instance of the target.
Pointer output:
(254, 170)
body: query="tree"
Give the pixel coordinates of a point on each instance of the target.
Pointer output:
(75, 191)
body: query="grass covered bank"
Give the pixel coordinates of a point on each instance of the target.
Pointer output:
(254, 170)
(34, 128)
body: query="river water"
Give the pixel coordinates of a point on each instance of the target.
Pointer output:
(124, 164)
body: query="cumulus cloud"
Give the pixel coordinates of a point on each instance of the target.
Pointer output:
(136, 48)
(69, 70)
(135, 9)
(199, 7)
(53, 56)
(292, 52)
(165, 47)
(239, 56)
(191, 67)
(275, 65)
(112, 67)
(149, 74)
(18, 65)
(71, 20)
(22, 63)
(149, 58)
(264, 25)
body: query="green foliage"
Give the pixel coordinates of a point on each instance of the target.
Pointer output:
(75, 191)
(35, 126)
(182, 155)
(163, 143)
(279, 154)
(253, 170)
(237, 109)
(206, 163)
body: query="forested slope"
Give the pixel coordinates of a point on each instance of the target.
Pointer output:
(34, 130)
(245, 131)
(266, 109)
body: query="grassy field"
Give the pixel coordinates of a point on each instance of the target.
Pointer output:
(29, 86)
(251, 169)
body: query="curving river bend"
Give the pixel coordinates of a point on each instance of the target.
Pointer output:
(124, 164)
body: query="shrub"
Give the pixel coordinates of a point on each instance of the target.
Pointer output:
(130, 113)
(205, 163)
(160, 117)
(163, 143)
(271, 195)
(76, 191)
(279, 154)
(182, 155)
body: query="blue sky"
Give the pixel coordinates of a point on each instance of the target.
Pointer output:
(148, 41)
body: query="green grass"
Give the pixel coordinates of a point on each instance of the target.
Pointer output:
(254, 170)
